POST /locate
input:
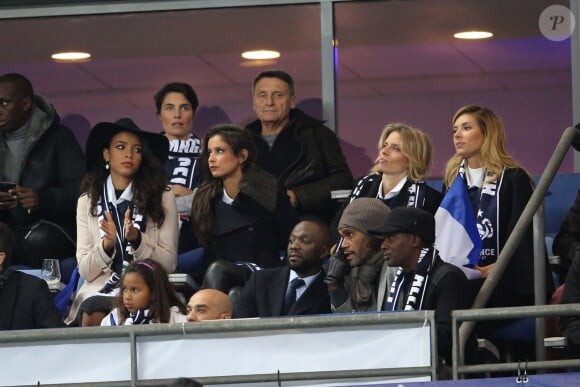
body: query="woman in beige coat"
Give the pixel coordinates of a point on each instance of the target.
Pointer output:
(125, 213)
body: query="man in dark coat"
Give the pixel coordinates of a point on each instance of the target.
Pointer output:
(296, 289)
(44, 164)
(568, 238)
(25, 302)
(299, 150)
(570, 325)
(423, 281)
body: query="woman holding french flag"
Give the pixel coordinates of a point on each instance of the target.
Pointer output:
(486, 192)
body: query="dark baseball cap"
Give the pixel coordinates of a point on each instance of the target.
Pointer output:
(407, 220)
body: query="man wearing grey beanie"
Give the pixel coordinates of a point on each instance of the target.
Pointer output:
(353, 271)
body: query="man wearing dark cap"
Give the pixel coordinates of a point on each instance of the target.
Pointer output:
(354, 270)
(423, 281)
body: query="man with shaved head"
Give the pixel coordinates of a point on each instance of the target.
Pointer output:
(209, 304)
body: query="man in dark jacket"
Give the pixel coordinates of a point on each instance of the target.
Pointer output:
(43, 164)
(299, 150)
(568, 238)
(296, 289)
(570, 325)
(423, 281)
(25, 302)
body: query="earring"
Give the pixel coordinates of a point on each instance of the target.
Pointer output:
(107, 165)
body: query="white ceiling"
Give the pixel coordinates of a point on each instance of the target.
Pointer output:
(394, 47)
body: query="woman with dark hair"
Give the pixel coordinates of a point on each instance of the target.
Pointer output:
(239, 213)
(176, 104)
(498, 189)
(146, 297)
(126, 212)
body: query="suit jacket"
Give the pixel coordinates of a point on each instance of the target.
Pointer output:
(26, 303)
(263, 295)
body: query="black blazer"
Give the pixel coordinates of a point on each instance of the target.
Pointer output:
(263, 296)
(26, 303)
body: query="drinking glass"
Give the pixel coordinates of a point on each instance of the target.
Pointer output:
(50, 270)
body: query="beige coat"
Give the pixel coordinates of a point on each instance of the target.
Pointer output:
(157, 243)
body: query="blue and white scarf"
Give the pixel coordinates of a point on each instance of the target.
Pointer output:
(117, 207)
(416, 194)
(416, 190)
(182, 161)
(487, 217)
(420, 279)
(140, 317)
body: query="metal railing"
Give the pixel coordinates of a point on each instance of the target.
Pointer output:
(570, 136)
(473, 315)
(135, 336)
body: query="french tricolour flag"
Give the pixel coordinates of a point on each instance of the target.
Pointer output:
(456, 235)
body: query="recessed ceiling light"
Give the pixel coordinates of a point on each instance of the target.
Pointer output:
(473, 35)
(70, 56)
(260, 54)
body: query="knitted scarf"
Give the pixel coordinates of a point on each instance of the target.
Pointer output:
(416, 194)
(416, 190)
(140, 317)
(182, 161)
(117, 207)
(414, 299)
(487, 217)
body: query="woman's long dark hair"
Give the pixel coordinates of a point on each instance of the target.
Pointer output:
(202, 212)
(148, 185)
(163, 295)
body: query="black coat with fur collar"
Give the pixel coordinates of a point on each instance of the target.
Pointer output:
(256, 226)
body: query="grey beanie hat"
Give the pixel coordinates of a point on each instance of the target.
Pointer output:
(364, 214)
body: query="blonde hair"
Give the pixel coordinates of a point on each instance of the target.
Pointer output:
(415, 146)
(494, 154)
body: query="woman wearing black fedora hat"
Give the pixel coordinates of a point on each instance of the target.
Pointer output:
(125, 213)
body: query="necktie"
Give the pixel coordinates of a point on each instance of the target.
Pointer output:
(290, 297)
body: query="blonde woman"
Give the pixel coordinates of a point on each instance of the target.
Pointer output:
(498, 189)
(397, 178)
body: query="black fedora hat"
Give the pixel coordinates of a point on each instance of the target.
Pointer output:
(102, 133)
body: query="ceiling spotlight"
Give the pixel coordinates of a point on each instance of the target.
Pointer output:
(70, 56)
(473, 35)
(260, 54)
